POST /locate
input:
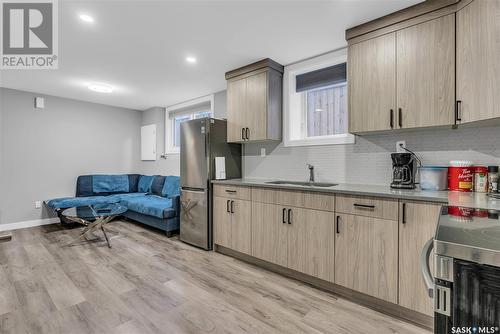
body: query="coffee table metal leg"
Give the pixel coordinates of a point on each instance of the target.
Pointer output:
(98, 223)
(105, 236)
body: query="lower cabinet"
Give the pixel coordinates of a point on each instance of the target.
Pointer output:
(366, 255)
(297, 238)
(233, 224)
(370, 245)
(269, 233)
(417, 224)
(311, 243)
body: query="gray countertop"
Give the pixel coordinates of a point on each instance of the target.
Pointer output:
(473, 200)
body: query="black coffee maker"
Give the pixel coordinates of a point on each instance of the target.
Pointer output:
(404, 170)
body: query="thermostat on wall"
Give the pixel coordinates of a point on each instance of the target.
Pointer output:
(39, 102)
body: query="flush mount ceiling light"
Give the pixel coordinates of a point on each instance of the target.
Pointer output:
(191, 60)
(86, 18)
(100, 87)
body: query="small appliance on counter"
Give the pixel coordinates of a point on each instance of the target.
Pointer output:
(205, 155)
(465, 284)
(404, 168)
(433, 177)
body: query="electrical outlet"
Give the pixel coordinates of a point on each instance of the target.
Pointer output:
(399, 146)
(38, 204)
(263, 152)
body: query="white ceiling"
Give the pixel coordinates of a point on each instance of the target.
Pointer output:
(139, 47)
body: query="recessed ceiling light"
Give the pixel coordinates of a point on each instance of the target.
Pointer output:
(100, 87)
(191, 60)
(86, 18)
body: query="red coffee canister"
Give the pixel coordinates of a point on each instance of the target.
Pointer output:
(460, 176)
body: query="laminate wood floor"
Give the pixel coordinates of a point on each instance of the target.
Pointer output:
(150, 284)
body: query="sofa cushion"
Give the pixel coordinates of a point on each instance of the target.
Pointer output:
(157, 185)
(151, 205)
(171, 186)
(145, 183)
(110, 184)
(84, 186)
(133, 183)
(69, 202)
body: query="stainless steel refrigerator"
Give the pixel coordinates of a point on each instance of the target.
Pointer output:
(201, 140)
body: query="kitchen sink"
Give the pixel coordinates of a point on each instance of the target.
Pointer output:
(306, 184)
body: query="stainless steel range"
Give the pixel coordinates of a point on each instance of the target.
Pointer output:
(466, 281)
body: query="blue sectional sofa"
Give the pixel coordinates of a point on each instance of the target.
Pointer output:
(152, 200)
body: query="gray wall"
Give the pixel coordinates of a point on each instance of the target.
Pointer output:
(368, 160)
(44, 151)
(168, 166)
(156, 115)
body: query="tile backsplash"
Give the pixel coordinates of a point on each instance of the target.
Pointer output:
(368, 160)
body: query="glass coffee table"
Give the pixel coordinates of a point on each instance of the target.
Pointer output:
(93, 217)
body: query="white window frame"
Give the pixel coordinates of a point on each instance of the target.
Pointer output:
(293, 103)
(179, 110)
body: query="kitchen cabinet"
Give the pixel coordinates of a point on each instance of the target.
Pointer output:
(295, 198)
(297, 238)
(417, 224)
(254, 102)
(241, 226)
(386, 208)
(372, 84)
(233, 224)
(269, 233)
(311, 240)
(426, 73)
(236, 100)
(478, 61)
(222, 221)
(366, 255)
(403, 79)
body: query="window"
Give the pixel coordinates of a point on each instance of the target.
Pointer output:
(315, 110)
(326, 111)
(175, 115)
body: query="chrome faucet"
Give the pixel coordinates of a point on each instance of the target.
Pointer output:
(311, 173)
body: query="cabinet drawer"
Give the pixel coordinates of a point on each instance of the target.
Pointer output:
(300, 199)
(232, 191)
(367, 206)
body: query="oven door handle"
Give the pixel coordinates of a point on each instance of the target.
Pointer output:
(425, 267)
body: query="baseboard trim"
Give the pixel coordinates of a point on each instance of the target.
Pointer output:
(28, 223)
(376, 304)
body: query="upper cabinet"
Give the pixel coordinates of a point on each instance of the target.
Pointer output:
(404, 78)
(254, 102)
(478, 61)
(372, 84)
(425, 55)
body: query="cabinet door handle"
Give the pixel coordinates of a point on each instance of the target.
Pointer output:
(364, 206)
(284, 216)
(247, 132)
(392, 118)
(403, 213)
(243, 133)
(231, 191)
(290, 216)
(400, 117)
(337, 222)
(458, 111)
(227, 206)
(232, 206)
